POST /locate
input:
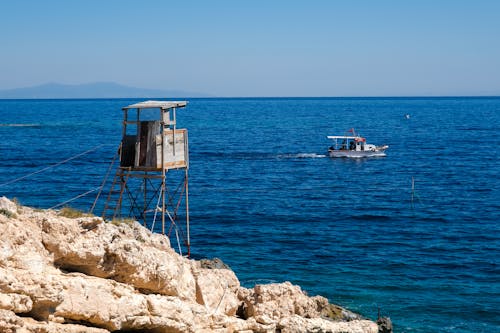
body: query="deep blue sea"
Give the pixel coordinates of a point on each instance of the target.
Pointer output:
(265, 198)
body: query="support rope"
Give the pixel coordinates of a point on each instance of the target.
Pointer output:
(156, 212)
(74, 198)
(53, 165)
(105, 179)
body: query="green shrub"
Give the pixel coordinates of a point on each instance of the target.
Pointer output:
(8, 213)
(72, 213)
(126, 220)
(16, 202)
(18, 205)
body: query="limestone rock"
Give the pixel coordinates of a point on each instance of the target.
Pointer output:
(270, 303)
(129, 254)
(7, 207)
(215, 263)
(16, 302)
(10, 323)
(217, 289)
(72, 275)
(298, 324)
(384, 325)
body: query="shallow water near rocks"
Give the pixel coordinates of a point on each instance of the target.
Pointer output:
(266, 199)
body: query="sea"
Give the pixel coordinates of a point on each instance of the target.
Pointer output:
(413, 235)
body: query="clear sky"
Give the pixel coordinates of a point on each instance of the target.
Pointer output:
(256, 47)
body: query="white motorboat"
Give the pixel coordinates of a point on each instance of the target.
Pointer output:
(354, 146)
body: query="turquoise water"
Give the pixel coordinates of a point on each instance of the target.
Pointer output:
(266, 199)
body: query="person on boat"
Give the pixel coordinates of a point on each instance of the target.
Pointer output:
(352, 145)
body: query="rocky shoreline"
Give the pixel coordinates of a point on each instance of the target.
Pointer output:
(61, 274)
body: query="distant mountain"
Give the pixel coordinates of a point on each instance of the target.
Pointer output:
(92, 90)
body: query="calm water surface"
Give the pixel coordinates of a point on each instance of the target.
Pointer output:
(266, 199)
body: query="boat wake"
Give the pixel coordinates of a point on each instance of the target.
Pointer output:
(261, 155)
(20, 125)
(302, 155)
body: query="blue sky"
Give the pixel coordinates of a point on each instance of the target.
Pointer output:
(256, 48)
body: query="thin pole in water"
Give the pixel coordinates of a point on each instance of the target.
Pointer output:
(414, 194)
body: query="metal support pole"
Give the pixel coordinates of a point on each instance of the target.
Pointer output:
(163, 180)
(173, 132)
(145, 205)
(188, 241)
(124, 129)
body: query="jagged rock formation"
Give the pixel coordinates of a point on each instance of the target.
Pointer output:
(61, 274)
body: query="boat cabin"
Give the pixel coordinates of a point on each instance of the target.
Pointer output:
(353, 143)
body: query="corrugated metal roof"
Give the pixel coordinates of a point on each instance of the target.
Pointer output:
(157, 104)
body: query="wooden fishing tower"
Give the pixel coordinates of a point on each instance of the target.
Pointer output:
(150, 150)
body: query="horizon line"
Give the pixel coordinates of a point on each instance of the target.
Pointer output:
(256, 97)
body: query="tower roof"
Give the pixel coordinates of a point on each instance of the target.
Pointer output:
(156, 104)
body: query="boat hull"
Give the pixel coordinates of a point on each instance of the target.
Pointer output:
(380, 152)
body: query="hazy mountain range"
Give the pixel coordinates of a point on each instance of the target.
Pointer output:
(92, 90)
